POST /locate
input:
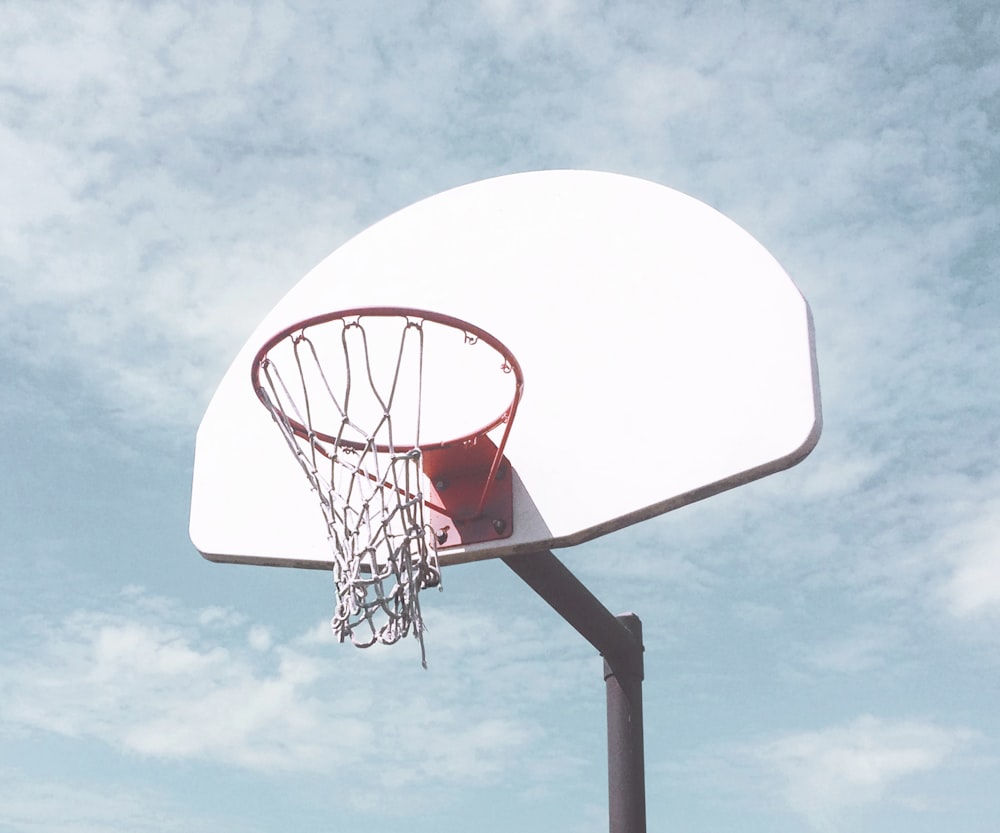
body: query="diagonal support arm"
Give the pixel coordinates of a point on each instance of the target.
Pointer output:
(619, 641)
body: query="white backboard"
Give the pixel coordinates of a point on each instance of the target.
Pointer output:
(666, 355)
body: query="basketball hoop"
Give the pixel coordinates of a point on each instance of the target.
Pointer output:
(395, 482)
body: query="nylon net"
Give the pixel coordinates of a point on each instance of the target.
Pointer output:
(351, 416)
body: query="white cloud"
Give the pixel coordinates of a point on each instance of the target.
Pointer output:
(822, 773)
(222, 616)
(764, 617)
(971, 548)
(520, 22)
(165, 683)
(30, 805)
(122, 216)
(859, 650)
(160, 689)
(840, 468)
(259, 638)
(42, 178)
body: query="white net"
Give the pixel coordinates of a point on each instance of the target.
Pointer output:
(351, 416)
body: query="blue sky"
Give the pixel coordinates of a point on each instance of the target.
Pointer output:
(822, 647)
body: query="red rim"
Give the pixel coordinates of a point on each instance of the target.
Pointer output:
(358, 313)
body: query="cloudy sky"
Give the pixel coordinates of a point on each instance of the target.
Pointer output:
(822, 647)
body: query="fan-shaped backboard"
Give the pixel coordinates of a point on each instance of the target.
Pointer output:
(666, 357)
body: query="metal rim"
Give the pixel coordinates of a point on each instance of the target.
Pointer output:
(507, 416)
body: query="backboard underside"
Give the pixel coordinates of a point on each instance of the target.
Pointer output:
(666, 357)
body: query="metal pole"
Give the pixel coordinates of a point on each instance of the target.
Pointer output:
(626, 762)
(619, 641)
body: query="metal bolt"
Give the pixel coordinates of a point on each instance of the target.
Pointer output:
(441, 536)
(499, 526)
(441, 484)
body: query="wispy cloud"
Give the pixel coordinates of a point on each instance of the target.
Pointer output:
(161, 682)
(43, 806)
(836, 778)
(861, 650)
(823, 773)
(970, 547)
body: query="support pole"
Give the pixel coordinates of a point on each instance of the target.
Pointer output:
(619, 641)
(626, 762)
